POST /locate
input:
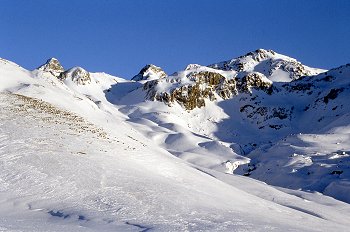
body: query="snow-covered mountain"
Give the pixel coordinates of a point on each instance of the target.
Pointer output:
(252, 115)
(277, 67)
(82, 151)
(258, 69)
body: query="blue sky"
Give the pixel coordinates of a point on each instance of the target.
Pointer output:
(120, 37)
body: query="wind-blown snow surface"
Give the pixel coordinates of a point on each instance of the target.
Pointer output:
(72, 161)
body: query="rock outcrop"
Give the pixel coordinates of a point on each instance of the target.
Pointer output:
(77, 74)
(201, 85)
(196, 84)
(254, 80)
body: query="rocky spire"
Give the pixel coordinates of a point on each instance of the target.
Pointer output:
(150, 72)
(53, 66)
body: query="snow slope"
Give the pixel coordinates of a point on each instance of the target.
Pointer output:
(94, 155)
(257, 123)
(60, 178)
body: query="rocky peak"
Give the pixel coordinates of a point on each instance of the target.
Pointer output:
(77, 74)
(53, 66)
(150, 72)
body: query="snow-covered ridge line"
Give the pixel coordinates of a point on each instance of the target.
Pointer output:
(275, 66)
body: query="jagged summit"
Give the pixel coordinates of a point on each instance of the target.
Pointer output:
(275, 66)
(52, 65)
(150, 72)
(77, 75)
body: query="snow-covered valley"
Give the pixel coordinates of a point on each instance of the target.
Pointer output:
(83, 151)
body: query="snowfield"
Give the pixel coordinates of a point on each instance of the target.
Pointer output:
(84, 151)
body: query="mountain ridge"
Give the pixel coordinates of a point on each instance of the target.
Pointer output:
(226, 103)
(217, 142)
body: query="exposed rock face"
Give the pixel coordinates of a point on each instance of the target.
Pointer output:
(198, 83)
(192, 91)
(150, 72)
(254, 80)
(217, 83)
(53, 66)
(77, 74)
(190, 96)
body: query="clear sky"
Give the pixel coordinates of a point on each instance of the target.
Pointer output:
(120, 37)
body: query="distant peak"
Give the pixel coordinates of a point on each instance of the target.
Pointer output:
(260, 54)
(275, 66)
(150, 72)
(77, 74)
(52, 59)
(261, 50)
(52, 65)
(193, 66)
(152, 67)
(149, 66)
